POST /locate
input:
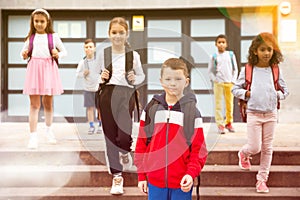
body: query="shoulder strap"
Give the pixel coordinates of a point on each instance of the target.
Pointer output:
(85, 63)
(51, 45)
(108, 61)
(275, 73)
(50, 41)
(248, 76)
(30, 47)
(214, 57)
(128, 62)
(150, 111)
(231, 57)
(189, 111)
(129, 59)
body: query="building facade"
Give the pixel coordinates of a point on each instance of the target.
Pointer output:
(158, 30)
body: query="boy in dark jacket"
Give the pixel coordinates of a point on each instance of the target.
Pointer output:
(169, 160)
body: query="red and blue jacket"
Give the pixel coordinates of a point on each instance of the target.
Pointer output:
(167, 158)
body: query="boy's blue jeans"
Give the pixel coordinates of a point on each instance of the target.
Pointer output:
(155, 193)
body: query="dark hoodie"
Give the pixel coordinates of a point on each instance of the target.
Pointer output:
(167, 158)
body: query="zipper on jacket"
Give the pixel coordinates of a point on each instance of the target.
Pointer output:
(167, 139)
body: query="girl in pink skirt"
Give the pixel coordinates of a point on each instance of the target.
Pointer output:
(42, 47)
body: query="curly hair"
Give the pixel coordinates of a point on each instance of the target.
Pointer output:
(262, 38)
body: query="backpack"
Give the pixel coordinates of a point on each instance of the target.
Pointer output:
(50, 45)
(188, 126)
(128, 68)
(248, 80)
(214, 57)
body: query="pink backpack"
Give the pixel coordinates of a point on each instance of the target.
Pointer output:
(50, 45)
(248, 81)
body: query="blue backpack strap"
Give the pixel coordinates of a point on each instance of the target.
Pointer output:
(214, 57)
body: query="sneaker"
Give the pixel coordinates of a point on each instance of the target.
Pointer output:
(229, 128)
(221, 129)
(126, 161)
(262, 187)
(33, 141)
(50, 137)
(117, 185)
(91, 130)
(99, 130)
(244, 162)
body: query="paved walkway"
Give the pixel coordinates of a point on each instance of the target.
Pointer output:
(74, 137)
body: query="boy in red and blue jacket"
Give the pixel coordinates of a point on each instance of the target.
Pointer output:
(168, 160)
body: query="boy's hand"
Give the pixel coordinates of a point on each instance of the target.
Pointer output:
(86, 73)
(186, 183)
(143, 186)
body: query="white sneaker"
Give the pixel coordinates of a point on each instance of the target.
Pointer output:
(91, 130)
(50, 137)
(126, 161)
(117, 185)
(33, 141)
(99, 130)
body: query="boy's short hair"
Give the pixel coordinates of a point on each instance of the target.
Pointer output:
(175, 64)
(221, 36)
(88, 41)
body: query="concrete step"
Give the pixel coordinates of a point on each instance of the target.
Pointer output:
(133, 193)
(97, 176)
(229, 175)
(285, 155)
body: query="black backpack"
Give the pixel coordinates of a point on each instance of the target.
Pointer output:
(128, 68)
(188, 126)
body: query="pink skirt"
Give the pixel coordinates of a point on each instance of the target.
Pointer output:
(42, 77)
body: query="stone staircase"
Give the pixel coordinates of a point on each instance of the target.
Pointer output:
(68, 171)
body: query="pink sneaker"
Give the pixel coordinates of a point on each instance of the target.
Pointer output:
(221, 129)
(229, 127)
(262, 187)
(244, 162)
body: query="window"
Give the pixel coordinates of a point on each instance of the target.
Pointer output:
(102, 29)
(253, 23)
(207, 27)
(70, 29)
(158, 52)
(164, 28)
(18, 26)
